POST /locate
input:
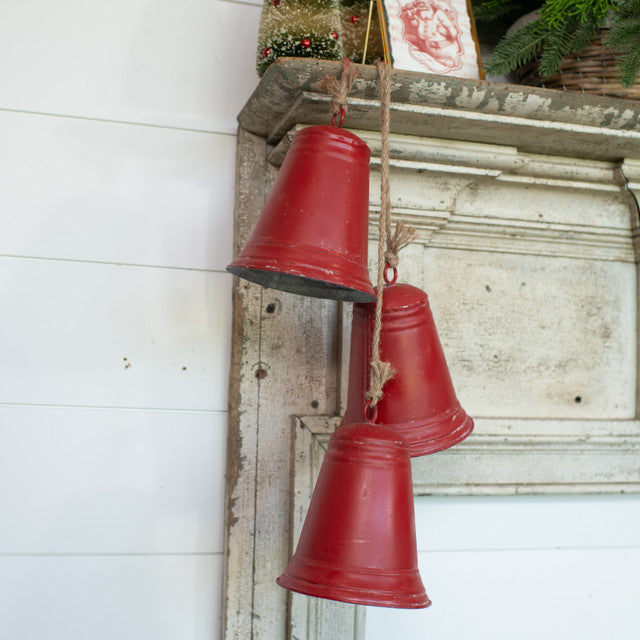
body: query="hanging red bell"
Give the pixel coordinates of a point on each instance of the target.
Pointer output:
(419, 401)
(358, 541)
(311, 237)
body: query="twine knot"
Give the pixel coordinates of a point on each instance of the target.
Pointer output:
(339, 89)
(381, 373)
(402, 237)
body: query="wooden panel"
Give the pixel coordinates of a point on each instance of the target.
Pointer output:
(530, 337)
(315, 618)
(72, 329)
(107, 597)
(163, 64)
(115, 193)
(276, 336)
(244, 409)
(585, 593)
(110, 481)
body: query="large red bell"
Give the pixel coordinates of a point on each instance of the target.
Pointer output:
(311, 237)
(358, 541)
(419, 401)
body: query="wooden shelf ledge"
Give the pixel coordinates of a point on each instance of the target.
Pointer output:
(534, 120)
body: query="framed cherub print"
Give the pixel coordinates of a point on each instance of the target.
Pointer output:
(433, 36)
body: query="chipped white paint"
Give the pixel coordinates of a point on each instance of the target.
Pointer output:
(470, 98)
(439, 91)
(519, 104)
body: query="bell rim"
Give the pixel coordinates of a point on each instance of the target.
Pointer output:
(337, 134)
(416, 600)
(282, 280)
(425, 446)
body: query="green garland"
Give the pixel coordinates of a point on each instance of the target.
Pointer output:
(562, 28)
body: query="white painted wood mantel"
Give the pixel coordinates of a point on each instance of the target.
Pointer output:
(528, 245)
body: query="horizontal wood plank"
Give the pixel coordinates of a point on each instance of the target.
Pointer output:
(109, 192)
(106, 335)
(111, 481)
(102, 598)
(163, 64)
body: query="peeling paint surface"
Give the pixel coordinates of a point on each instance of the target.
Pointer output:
(580, 125)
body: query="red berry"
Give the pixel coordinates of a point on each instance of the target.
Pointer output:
(305, 42)
(266, 52)
(354, 19)
(334, 35)
(275, 3)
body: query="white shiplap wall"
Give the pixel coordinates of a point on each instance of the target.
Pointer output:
(117, 147)
(117, 162)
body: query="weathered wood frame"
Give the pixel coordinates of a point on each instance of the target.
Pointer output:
(289, 353)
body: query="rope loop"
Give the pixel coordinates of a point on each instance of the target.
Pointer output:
(387, 267)
(370, 412)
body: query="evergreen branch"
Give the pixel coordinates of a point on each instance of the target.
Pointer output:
(558, 12)
(584, 34)
(625, 38)
(517, 49)
(557, 45)
(621, 35)
(565, 27)
(629, 65)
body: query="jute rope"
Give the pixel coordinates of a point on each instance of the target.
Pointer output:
(381, 372)
(339, 90)
(389, 244)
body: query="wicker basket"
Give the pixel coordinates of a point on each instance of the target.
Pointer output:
(594, 71)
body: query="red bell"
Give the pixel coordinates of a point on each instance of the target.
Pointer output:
(419, 401)
(311, 237)
(358, 541)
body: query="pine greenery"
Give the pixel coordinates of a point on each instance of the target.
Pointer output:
(625, 37)
(562, 28)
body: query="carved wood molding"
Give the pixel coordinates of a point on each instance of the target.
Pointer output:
(504, 457)
(470, 173)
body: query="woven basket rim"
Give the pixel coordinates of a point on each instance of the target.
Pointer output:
(594, 70)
